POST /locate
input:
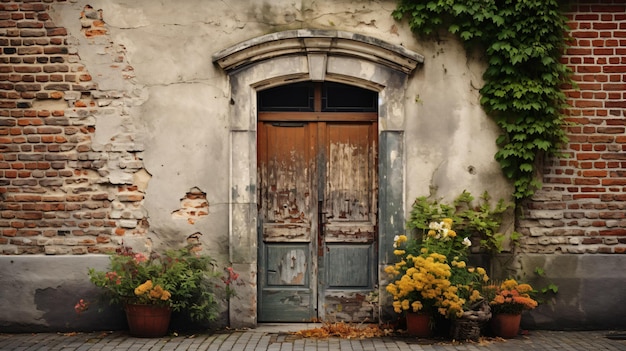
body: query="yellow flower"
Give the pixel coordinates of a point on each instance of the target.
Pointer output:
(459, 264)
(158, 293)
(509, 284)
(475, 296)
(397, 306)
(401, 239)
(438, 257)
(143, 288)
(165, 295)
(399, 252)
(391, 270)
(498, 300)
(524, 288)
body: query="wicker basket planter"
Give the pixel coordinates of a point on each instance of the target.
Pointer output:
(470, 325)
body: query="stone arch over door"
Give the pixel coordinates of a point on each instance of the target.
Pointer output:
(316, 55)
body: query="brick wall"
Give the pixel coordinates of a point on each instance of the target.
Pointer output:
(60, 193)
(582, 206)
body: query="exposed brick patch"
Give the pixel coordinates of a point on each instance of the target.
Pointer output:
(193, 206)
(594, 173)
(58, 195)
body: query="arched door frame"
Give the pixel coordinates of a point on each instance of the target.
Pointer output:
(317, 55)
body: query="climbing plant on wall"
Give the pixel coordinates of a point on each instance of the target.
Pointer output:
(523, 42)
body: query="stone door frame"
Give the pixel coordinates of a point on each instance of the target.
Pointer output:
(316, 55)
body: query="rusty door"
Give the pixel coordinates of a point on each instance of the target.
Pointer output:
(317, 216)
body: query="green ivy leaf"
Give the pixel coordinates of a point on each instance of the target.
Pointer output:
(526, 167)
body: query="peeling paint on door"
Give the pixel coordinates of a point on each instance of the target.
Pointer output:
(317, 218)
(350, 230)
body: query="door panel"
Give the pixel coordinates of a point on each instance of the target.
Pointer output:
(287, 219)
(317, 218)
(287, 295)
(354, 262)
(349, 227)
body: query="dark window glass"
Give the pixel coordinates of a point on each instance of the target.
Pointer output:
(345, 98)
(336, 97)
(292, 97)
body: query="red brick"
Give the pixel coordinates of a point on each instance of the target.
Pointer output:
(32, 33)
(29, 24)
(591, 173)
(615, 104)
(55, 50)
(614, 156)
(59, 31)
(37, 7)
(603, 51)
(586, 181)
(588, 103)
(612, 232)
(618, 87)
(585, 196)
(601, 139)
(7, 24)
(611, 130)
(612, 182)
(30, 50)
(588, 69)
(588, 156)
(584, 34)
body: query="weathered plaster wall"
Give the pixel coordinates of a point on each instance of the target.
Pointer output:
(450, 142)
(169, 48)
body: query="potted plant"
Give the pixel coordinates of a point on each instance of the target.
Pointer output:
(432, 276)
(508, 300)
(151, 287)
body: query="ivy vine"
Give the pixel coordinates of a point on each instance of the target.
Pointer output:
(523, 42)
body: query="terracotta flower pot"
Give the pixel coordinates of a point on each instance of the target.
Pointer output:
(148, 321)
(506, 325)
(418, 324)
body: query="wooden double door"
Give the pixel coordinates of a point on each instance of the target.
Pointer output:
(317, 196)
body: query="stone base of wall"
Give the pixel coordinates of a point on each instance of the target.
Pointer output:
(591, 289)
(38, 294)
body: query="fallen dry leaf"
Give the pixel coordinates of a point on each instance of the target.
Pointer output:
(345, 331)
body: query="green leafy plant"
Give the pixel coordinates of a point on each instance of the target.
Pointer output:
(551, 287)
(523, 41)
(479, 221)
(180, 279)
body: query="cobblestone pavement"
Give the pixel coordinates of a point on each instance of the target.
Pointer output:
(277, 338)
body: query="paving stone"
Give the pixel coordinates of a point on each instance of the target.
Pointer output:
(268, 340)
